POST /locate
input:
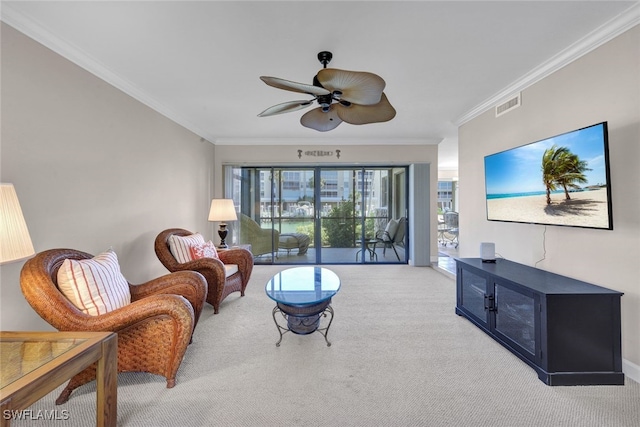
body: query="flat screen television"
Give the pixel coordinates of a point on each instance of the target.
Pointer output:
(562, 180)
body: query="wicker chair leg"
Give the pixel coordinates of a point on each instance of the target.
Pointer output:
(64, 396)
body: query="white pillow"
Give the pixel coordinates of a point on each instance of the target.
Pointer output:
(391, 229)
(180, 246)
(96, 286)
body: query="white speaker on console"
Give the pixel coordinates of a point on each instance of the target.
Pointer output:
(488, 252)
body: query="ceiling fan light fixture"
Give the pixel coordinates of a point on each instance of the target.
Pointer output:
(325, 102)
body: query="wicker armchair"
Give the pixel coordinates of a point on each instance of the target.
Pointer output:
(220, 286)
(154, 330)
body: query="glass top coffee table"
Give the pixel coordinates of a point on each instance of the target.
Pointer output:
(303, 296)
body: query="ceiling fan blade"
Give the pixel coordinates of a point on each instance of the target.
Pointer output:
(285, 107)
(362, 114)
(358, 87)
(316, 119)
(293, 86)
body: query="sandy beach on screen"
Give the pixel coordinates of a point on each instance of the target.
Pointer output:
(586, 209)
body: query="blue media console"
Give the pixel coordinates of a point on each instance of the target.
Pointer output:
(567, 330)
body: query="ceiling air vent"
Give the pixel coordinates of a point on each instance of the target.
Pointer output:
(507, 106)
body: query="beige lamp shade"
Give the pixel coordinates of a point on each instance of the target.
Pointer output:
(15, 242)
(222, 210)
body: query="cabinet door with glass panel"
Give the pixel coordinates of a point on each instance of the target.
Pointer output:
(515, 317)
(505, 310)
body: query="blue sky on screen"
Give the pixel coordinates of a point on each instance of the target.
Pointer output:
(520, 170)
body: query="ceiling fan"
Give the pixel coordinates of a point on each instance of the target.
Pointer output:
(355, 97)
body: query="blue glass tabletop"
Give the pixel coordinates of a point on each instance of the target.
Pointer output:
(303, 286)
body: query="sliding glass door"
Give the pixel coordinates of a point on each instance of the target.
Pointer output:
(295, 216)
(320, 215)
(339, 219)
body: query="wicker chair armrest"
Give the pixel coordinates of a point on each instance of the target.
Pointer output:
(178, 283)
(213, 271)
(211, 268)
(239, 256)
(174, 306)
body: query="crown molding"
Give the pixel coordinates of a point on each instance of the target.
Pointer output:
(609, 30)
(37, 32)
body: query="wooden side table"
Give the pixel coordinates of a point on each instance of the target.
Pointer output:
(32, 364)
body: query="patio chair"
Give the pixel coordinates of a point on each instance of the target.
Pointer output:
(392, 236)
(450, 229)
(262, 240)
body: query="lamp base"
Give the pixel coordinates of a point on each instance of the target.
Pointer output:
(222, 232)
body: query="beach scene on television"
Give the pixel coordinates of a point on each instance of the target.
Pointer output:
(557, 181)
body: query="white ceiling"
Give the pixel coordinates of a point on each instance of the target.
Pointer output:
(199, 62)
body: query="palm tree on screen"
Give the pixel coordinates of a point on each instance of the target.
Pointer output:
(573, 173)
(561, 167)
(550, 168)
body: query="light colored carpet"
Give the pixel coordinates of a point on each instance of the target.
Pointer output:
(400, 356)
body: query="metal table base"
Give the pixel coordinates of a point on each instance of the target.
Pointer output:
(303, 320)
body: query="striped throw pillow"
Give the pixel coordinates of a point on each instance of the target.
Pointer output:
(96, 286)
(180, 246)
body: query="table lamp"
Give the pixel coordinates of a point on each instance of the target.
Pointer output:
(15, 242)
(222, 210)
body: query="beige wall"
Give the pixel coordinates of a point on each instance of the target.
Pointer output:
(603, 85)
(368, 155)
(93, 168)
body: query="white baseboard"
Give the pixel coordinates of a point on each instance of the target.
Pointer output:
(631, 370)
